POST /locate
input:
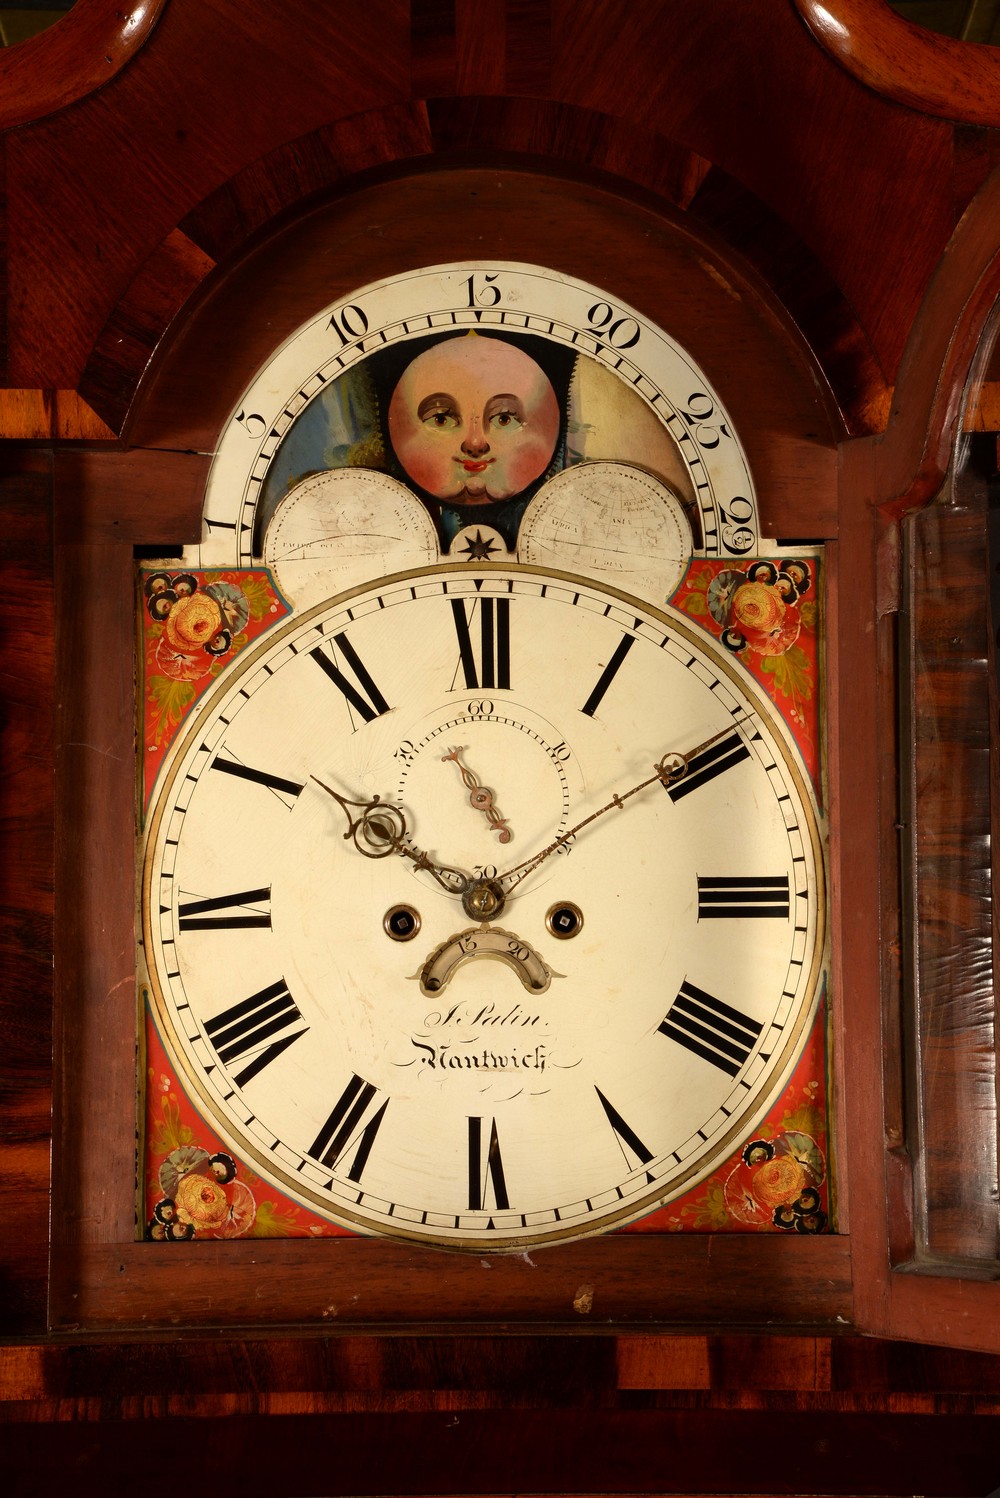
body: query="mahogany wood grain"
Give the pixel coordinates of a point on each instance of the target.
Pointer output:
(322, 1286)
(219, 84)
(947, 1307)
(433, 47)
(79, 53)
(934, 1413)
(925, 1266)
(856, 890)
(49, 415)
(909, 63)
(293, 173)
(919, 440)
(982, 411)
(546, 131)
(26, 891)
(804, 286)
(895, 904)
(552, 1451)
(94, 951)
(165, 281)
(256, 82)
(746, 342)
(782, 122)
(128, 1378)
(285, 178)
(481, 46)
(158, 496)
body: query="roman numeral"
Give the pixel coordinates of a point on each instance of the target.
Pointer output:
(346, 1129)
(277, 783)
(485, 1166)
(625, 1135)
(608, 675)
(754, 897)
(241, 911)
(711, 1029)
(484, 641)
(368, 706)
(243, 1029)
(713, 761)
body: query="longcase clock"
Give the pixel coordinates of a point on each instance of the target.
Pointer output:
(495, 754)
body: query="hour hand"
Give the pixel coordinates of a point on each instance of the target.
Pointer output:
(378, 829)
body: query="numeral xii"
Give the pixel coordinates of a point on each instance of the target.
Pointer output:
(484, 642)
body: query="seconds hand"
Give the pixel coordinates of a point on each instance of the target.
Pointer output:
(662, 772)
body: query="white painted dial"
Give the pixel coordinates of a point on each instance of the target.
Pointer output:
(342, 527)
(494, 1084)
(627, 392)
(610, 520)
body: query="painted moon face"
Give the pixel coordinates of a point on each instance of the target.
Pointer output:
(474, 420)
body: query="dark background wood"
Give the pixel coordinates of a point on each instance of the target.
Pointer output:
(861, 211)
(26, 872)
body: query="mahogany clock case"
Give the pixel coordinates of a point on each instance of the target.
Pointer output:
(184, 181)
(896, 293)
(149, 501)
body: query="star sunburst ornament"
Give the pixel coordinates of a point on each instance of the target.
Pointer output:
(479, 548)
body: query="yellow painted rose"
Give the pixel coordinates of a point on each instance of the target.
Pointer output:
(757, 606)
(202, 1201)
(192, 622)
(779, 1180)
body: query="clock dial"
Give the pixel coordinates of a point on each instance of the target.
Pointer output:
(611, 520)
(465, 936)
(557, 374)
(342, 527)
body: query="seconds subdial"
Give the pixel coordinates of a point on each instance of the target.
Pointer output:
(486, 782)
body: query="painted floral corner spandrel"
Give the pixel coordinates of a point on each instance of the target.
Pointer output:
(194, 1186)
(193, 624)
(766, 613)
(777, 1181)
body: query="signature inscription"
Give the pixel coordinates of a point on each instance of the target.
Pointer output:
(461, 1057)
(465, 1013)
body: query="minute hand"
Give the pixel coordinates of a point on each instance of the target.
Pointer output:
(667, 771)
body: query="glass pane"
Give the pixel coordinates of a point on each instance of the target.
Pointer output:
(949, 705)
